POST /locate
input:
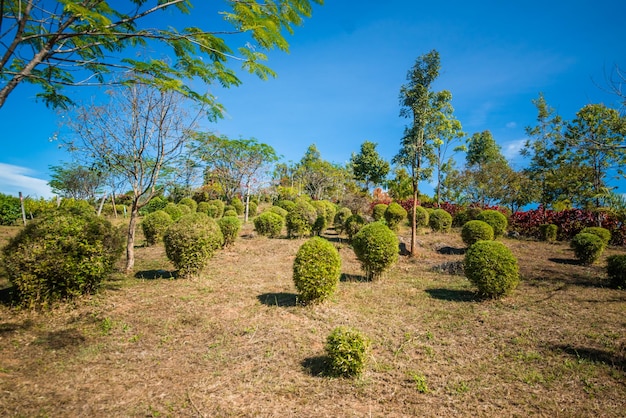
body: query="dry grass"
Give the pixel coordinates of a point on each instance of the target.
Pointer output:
(235, 343)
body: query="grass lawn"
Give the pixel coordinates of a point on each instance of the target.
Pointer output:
(234, 342)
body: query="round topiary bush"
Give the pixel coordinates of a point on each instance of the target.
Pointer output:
(230, 212)
(154, 226)
(60, 255)
(492, 268)
(587, 247)
(421, 217)
(236, 203)
(187, 201)
(191, 242)
(230, 226)
(156, 203)
(320, 225)
(316, 270)
(269, 224)
(346, 349)
(474, 231)
(377, 247)
(220, 208)
(278, 210)
(496, 219)
(174, 211)
(331, 211)
(184, 209)
(300, 219)
(378, 211)
(394, 215)
(548, 232)
(440, 221)
(286, 204)
(602, 233)
(460, 218)
(341, 217)
(252, 209)
(616, 270)
(353, 224)
(203, 207)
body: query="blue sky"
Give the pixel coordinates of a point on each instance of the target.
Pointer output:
(339, 85)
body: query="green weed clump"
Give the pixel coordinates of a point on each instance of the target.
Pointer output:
(378, 211)
(474, 231)
(61, 255)
(269, 224)
(191, 242)
(230, 226)
(616, 270)
(154, 226)
(548, 232)
(394, 215)
(316, 270)
(492, 268)
(587, 247)
(346, 349)
(376, 247)
(440, 221)
(496, 219)
(602, 233)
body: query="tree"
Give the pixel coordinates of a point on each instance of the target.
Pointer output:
(61, 43)
(401, 186)
(138, 132)
(416, 100)
(75, 181)
(369, 167)
(319, 178)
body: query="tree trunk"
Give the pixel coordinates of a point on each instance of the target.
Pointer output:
(130, 239)
(414, 223)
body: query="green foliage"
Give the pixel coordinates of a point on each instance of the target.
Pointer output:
(252, 209)
(184, 209)
(422, 216)
(62, 254)
(616, 270)
(154, 226)
(236, 203)
(548, 232)
(341, 217)
(353, 224)
(204, 207)
(378, 212)
(316, 270)
(187, 201)
(394, 215)
(269, 223)
(320, 225)
(460, 218)
(300, 219)
(156, 203)
(587, 247)
(278, 210)
(191, 242)
(230, 226)
(346, 349)
(368, 166)
(492, 268)
(331, 211)
(474, 231)
(174, 211)
(10, 210)
(602, 233)
(286, 204)
(230, 212)
(376, 246)
(220, 208)
(496, 219)
(440, 221)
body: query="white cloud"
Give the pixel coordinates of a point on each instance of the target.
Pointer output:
(511, 125)
(15, 179)
(511, 149)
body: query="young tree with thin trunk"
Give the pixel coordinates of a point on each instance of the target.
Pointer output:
(368, 166)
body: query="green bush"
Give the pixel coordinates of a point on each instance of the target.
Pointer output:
(187, 201)
(220, 208)
(286, 204)
(300, 219)
(236, 203)
(62, 254)
(269, 224)
(587, 247)
(346, 349)
(10, 209)
(156, 203)
(230, 226)
(331, 211)
(278, 210)
(602, 233)
(492, 268)
(496, 219)
(203, 207)
(378, 212)
(184, 209)
(353, 224)
(174, 211)
(440, 221)
(154, 226)
(474, 231)
(376, 246)
(316, 270)
(616, 270)
(230, 212)
(548, 232)
(341, 217)
(460, 218)
(191, 242)
(421, 217)
(252, 209)
(394, 215)
(320, 225)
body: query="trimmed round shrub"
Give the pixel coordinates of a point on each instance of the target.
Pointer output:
(460, 218)
(187, 201)
(174, 211)
(602, 233)
(377, 247)
(394, 215)
(269, 224)
(185, 209)
(421, 217)
(230, 212)
(320, 225)
(300, 219)
(353, 225)
(61, 255)
(496, 219)
(316, 270)
(206, 207)
(252, 209)
(230, 226)
(378, 212)
(278, 210)
(341, 217)
(346, 349)
(229, 207)
(236, 203)
(156, 203)
(154, 225)
(440, 220)
(331, 211)
(616, 270)
(548, 232)
(587, 247)
(492, 268)
(220, 208)
(286, 204)
(474, 231)
(191, 242)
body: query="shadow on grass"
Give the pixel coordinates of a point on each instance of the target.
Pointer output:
(451, 250)
(156, 274)
(569, 261)
(281, 299)
(617, 360)
(8, 327)
(316, 366)
(65, 338)
(453, 295)
(350, 278)
(8, 296)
